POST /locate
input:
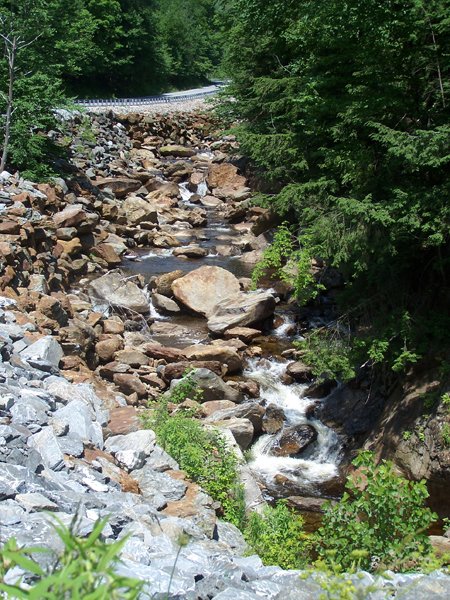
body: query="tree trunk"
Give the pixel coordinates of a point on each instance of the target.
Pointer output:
(11, 52)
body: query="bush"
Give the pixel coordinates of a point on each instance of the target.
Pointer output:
(84, 571)
(204, 456)
(381, 521)
(277, 536)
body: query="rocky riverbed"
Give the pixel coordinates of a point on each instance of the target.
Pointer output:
(114, 280)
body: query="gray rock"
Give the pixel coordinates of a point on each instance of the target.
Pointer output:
(34, 502)
(11, 513)
(164, 304)
(213, 387)
(71, 445)
(241, 310)
(160, 461)
(46, 351)
(140, 442)
(13, 480)
(114, 288)
(156, 486)
(242, 430)
(46, 444)
(78, 416)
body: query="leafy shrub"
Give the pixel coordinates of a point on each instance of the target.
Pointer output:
(381, 521)
(204, 456)
(277, 536)
(329, 353)
(84, 571)
(288, 258)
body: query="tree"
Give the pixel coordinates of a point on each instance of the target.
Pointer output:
(29, 95)
(14, 44)
(345, 106)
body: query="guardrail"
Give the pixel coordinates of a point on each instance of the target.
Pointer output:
(144, 100)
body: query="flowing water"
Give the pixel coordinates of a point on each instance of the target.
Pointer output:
(318, 463)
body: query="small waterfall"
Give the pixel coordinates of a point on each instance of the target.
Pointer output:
(202, 189)
(319, 461)
(154, 314)
(186, 194)
(286, 328)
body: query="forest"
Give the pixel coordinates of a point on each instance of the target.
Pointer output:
(344, 107)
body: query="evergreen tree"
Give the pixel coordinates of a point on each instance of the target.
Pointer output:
(346, 105)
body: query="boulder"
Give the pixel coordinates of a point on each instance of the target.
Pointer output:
(46, 351)
(120, 186)
(176, 150)
(213, 387)
(106, 349)
(176, 370)
(299, 372)
(129, 384)
(205, 288)
(274, 419)
(160, 352)
(248, 410)
(138, 210)
(164, 304)
(191, 252)
(213, 406)
(242, 430)
(294, 440)
(246, 334)
(242, 309)
(224, 355)
(163, 284)
(115, 289)
(225, 175)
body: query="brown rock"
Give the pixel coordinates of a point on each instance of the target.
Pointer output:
(110, 369)
(178, 369)
(225, 175)
(71, 216)
(294, 440)
(113, 326)
(163, 284)
(51, 308)
(299, 372)
(107, 253)
(159, 352)
(71, 247)
(106, 349)
(120, 186)
(129, 384)
(213, 406)
(203, 289)
(224, 355)
(123, 420)
(274, 419)
(246, 334)
(134, 358)
(8, 227)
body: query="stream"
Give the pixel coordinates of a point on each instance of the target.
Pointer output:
(310, 472)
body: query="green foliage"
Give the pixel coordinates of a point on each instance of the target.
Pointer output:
(289, 259)
(277, 536)
(205, 457)
(84, 570)
(445, 434)
(345, 107)
(380, 523)
(329, 353)
(185, 388)
(407, 435)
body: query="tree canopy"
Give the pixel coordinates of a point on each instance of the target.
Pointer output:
(345, 105)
